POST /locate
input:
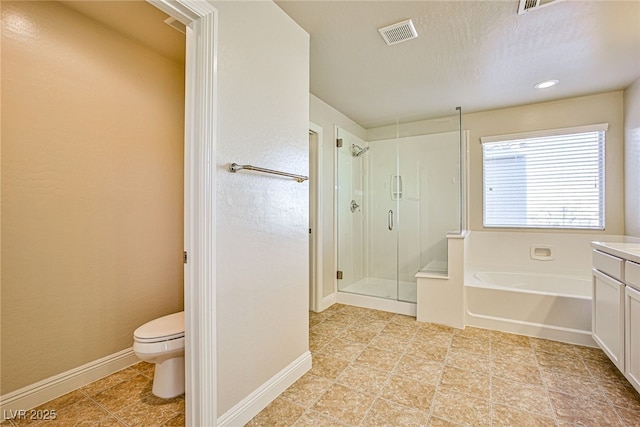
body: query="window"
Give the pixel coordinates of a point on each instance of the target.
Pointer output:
(551, 179)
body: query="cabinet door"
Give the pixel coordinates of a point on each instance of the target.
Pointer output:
(608, 317)
(632, 336)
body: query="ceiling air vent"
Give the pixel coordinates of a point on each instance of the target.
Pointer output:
(397, 33)
(529, 5)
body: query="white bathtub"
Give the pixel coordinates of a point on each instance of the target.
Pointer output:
(555, 284)
(551, 306)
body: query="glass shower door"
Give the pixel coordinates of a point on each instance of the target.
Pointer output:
(367, 218)
(384, 187)
(397, 199)
(350, 214)
(408, 224)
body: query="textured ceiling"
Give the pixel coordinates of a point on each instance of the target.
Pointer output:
(478, 54)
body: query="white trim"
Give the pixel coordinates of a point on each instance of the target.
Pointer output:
(375, 303)
(180, 10)
(334, 152)
(601, 127)
(316, 220)
(530, 329)
(327, 302)
(48, 389)
(251, 405)
(201, 21)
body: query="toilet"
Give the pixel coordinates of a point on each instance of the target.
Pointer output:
(161, 341)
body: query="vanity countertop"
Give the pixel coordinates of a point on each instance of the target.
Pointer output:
(626, 250)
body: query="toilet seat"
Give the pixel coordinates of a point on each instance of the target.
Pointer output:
(159, 349)
(158, 339)
(166, 328)
(161, 342)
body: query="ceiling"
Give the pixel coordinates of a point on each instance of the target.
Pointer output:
(478, 54)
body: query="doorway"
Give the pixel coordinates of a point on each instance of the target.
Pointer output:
(315, 219)
(200, 286)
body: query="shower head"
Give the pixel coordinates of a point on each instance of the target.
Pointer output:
(358, 151)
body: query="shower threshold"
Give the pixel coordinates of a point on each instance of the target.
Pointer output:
(381, 294)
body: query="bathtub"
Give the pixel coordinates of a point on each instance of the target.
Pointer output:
(544, 305)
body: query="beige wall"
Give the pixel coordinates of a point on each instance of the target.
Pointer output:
(632, 159)
(92, 190)
(602, 108)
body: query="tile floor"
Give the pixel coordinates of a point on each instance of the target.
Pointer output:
(372, 368)
(121, 399)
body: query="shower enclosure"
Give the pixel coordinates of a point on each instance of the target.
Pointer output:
(397, 199)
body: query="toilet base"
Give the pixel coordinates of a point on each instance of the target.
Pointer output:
(168, 379)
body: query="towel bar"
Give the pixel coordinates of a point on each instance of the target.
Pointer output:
(234, 167)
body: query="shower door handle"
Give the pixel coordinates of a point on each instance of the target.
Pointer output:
(390, 220)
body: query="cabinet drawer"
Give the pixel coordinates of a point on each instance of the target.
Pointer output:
(632, 274)
(613, 266)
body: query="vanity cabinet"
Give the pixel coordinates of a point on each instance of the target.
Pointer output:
(616, 306)
(632, 336)
(608, 316)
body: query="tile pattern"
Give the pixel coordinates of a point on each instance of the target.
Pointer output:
(123, 399)
(372, 368)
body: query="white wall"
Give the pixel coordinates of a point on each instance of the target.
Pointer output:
(632, 159)
(424, 127)
(328, 118)
(602, 108)
(263, 220)
(511, 252)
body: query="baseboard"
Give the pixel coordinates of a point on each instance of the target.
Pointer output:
(250, 406)
(43, 391)
(536, 330)
(327, 302)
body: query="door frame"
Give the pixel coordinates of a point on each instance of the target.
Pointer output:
(201, 21)
(316, 285)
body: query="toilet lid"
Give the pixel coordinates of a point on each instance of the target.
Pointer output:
(162, 328)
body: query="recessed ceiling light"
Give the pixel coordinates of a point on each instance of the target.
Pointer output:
(547, 83)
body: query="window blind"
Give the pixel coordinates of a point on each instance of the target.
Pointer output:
(551, 181)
